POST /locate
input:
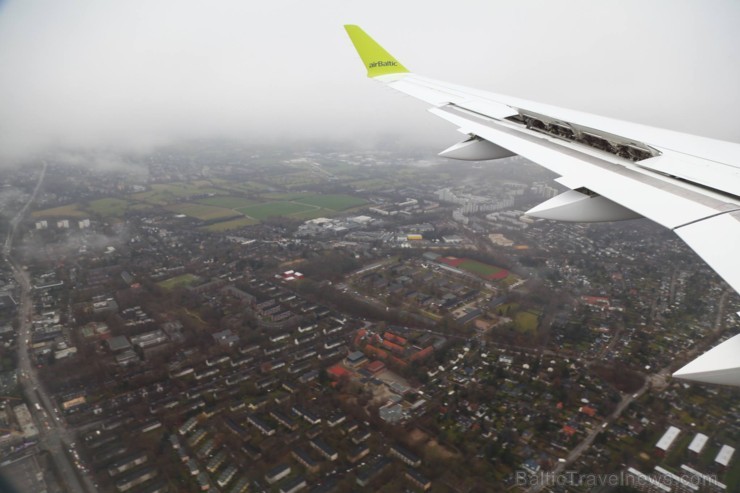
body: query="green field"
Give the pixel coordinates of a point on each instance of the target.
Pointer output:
(337, 202)
(483, 270)
(227, 201)
(247, 186)
(109, 207)
(526, 322)
(232, 224)
(202, 212)
(178, 281)
(313, 214)
(162, 194)
(271, 209)
(286, 196)
(71, 210)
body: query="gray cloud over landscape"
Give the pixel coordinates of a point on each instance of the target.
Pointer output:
(130, 75)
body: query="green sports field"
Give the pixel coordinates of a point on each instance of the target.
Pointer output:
(182, 280)
(483, 270)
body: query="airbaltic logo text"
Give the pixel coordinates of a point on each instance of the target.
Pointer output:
(382, 64)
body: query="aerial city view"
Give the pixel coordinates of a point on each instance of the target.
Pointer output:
(203, 291)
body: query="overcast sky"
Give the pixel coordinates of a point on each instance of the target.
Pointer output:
(134, 73)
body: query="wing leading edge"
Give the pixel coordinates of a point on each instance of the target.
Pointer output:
(614, 169)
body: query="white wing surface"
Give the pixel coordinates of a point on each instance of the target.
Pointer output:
(614, 169)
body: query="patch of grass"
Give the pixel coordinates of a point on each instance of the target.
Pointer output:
(270, 209)
(227, 201)
(203, 212)
(70, 210)
(337, 202)
(526, 322)
(507, 309)
(178, 281)
(228, 225)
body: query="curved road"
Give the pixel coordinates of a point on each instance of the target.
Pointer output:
(53, 435)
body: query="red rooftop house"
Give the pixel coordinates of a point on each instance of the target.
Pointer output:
(588, 411)
(375, 367)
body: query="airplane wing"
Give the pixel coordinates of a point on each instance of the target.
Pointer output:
(614, 170)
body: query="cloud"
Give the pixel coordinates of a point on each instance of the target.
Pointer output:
(135, 74)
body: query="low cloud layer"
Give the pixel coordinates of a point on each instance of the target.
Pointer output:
(136, 74)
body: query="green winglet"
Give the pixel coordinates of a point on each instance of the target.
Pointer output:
(376, 59)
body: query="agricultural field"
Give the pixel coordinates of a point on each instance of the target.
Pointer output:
(71, 210)
(162, 194)
(108, 207)
(286, 196)
(203, 212)
(336, 202)
(231, 224)
(271, 209)
(227, 201)
(178, 281)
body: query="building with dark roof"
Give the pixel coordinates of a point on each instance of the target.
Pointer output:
(305, 460)
(405, 455)
(277, 473)
(418, 479)
(371, 471)
(324, 448)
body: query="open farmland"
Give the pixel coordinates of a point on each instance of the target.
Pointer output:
(71, 210)
(203, 212)
(272, 209)
(229, 225)
(162, 194)
(286, 196)
(109, 207)
(336, 202)
(227, 201)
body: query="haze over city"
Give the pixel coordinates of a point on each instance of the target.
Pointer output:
(132, 75)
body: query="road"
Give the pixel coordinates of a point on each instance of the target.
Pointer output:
(53, 434)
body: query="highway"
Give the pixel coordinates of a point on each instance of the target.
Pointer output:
(53, 434)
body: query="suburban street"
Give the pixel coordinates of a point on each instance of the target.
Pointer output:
(53, 435)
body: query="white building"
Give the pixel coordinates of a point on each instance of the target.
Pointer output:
(725, 455)
(697, 444)
(668, 438)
